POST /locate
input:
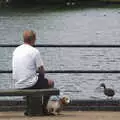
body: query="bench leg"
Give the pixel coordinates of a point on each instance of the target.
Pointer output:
(34, 106)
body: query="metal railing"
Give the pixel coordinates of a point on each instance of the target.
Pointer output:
(113, 105)
(73, 71)
(69, 46)
(65, 45)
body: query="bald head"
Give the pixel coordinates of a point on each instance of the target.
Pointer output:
(29, 37)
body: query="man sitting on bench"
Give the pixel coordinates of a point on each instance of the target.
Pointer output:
(26, 61)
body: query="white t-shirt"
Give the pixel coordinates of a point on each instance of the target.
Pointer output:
(26, 60)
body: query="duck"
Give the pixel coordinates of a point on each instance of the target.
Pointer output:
(109, 92)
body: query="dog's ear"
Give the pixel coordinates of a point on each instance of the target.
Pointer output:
(62, 100)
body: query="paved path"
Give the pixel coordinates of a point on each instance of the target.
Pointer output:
(76, 115)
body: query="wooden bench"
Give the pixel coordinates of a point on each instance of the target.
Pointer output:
(34, 98)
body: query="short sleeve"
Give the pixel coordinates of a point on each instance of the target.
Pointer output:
(38, 60)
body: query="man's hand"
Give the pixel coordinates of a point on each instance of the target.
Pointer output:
(41, 70)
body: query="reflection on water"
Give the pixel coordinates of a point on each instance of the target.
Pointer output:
(67, 26)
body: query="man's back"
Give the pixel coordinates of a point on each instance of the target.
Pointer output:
(25, 66)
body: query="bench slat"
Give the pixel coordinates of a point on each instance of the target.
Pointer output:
(28, 92)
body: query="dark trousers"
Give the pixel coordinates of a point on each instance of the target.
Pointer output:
(42, 83)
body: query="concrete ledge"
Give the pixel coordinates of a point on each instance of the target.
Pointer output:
(94, 105)
(75, 105)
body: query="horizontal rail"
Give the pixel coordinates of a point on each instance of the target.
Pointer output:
(72, 71)
(65, 45)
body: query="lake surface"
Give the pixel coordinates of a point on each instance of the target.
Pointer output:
(67, 26)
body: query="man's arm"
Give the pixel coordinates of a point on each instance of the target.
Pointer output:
(39, 63)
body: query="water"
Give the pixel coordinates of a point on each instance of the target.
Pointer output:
(67, 26)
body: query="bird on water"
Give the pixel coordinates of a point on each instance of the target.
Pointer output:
(107, 91)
